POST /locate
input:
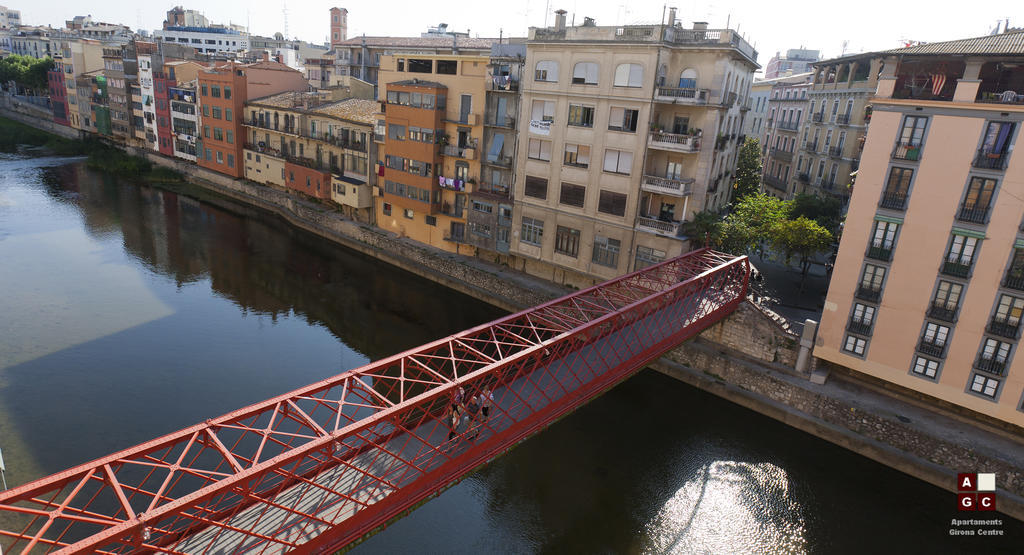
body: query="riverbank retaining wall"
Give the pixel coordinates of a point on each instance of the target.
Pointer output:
(746, 358)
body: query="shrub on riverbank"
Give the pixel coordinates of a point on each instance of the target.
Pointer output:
(14, 134)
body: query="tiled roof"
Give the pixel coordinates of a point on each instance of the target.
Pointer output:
(353, 109)
(420, 42)
(1003, 44)
(287, 99)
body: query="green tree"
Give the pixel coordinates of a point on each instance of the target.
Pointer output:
(703, 228)
(758, 212)
(26, 71)
(748, 170)
(735, 236)
(801, 237)
(827, 211)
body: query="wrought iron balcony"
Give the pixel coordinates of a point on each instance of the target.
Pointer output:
(973, 213)
(880, 253)
(843, 119)
(931, 349)
(816, 118)
(991, 365)
(990, 160)
(896, 200)
(1004, 327)
(942, 312)
(782, 154)
(907, 151)
(869, 294)
(859, 327)
(776, 182)
(467, 153)
(789, 125)
(804, 177)
(956, 269)
(1014, 280)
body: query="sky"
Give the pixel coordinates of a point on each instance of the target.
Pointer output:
(832, 28)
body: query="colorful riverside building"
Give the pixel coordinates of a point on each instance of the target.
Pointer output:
(928, 288)
(631, 131)
(58, 90)
(223, 91)
(321, 148)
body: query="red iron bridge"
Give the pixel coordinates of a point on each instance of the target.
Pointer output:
(318, 468)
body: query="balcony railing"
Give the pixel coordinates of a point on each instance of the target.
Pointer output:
(869, 294)
(667, 186)
(931, 349)
(991, 365)
(880, 253)
(1014, 280)
(990, 160)
(507, 122)
(782, 154)
(503, 83)
(836, 151)
(681, 95)
(894, 201)
(843, 119)
(674, 142)
(811, 146)
(467, 153)
(816, 118)
(956, 268)
(973, 213)
(1004, 327)
(804, 177)
(859, 327)
(789, 125)
(906, 152)
(776, 182)
(942, 312)
(658, 226)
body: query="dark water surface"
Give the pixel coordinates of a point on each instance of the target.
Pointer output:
(129, 311)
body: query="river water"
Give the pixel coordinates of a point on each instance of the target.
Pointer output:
(128, 311)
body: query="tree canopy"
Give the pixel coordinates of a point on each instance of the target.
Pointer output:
(827, 211)
(26, 71)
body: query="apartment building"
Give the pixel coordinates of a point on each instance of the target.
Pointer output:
(928, 289)
(223, 91)
(82, 56)
(119, 71)
(432, 129)
(787, 114)
(795, 62)
(632, 130)
(57, 87)
(309, 143)
(9, 18)
(208, 39)
(757, 117)
(833, 138)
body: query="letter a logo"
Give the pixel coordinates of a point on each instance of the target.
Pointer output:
(966, 482)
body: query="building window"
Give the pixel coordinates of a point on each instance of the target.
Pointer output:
(882, 240)
(480, 229)
(618, 161)
(533, 231)
(581, 116)
(933, 341)
(218, 134)
(227, 114)
(206, 110)
(959, 256)
(946, 301)
(896, 189)
(629, 75)
(546, 70)
(977, 201)
(386, 208)
(430, 220)
(855, 345)
(215, 91)
(408, 213)
(985, 385)
(227, 92)
(573, 195)
(577, 155)
(396, 132)
(623, 119)
(539, 149)
(1006, 320)
(536, 187)
(911, 137)
(606, 251)
(202, 90)
(421, 66)
(447, 67)
(862, 319)
(612, 203)
(870, 287)
(231, 159)
(584, 73)
(400, 64)
(995, 146)
(485, 207)
(567, 241)
(993, 357)
(543, 110)
(220, 157)
(216, 112)
(647, 256)
(925, 367)
(231, 137)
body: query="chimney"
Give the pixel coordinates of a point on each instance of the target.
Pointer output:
(671, 17)
(700, 25)
(560, 19)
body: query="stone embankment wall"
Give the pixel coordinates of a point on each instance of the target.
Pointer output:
(746, 358)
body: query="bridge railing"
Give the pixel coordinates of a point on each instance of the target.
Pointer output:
(323, 465)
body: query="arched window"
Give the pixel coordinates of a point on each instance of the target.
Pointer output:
(584, 73)
(688, 79)
(547, 70)
(629, 75)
